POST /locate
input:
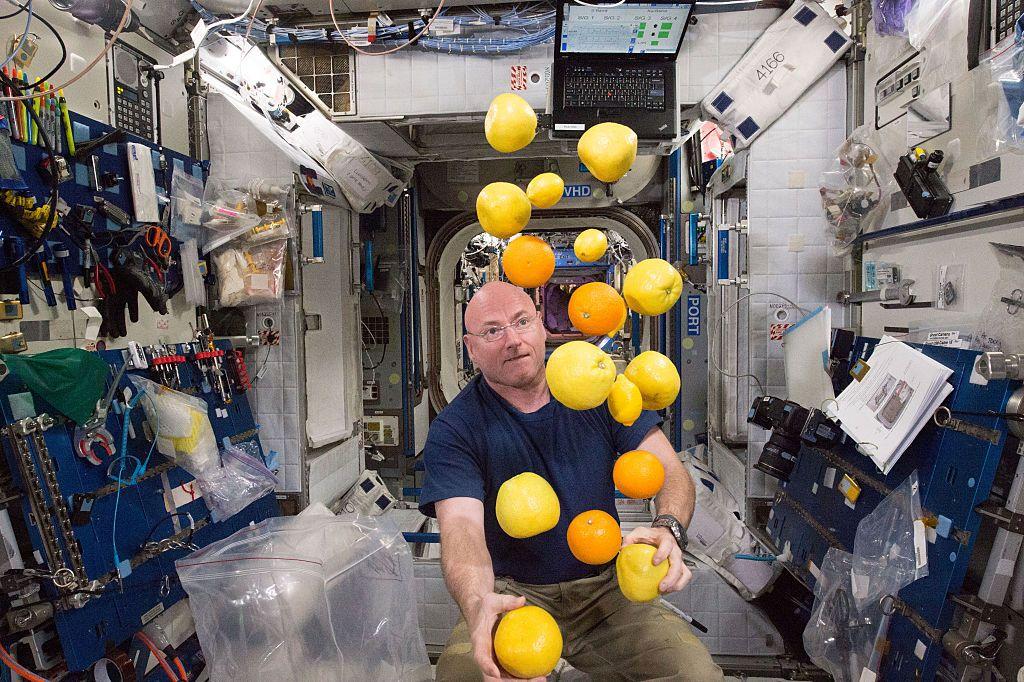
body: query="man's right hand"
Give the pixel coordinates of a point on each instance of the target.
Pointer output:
(482, 620)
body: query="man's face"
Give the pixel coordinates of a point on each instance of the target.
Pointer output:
(515, 358)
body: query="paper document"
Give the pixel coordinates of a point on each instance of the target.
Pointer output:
(885, 411)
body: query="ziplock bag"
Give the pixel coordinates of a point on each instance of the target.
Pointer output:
(186, 206)
(239, 481)
(894, 535)
(1003, 129)
(308, 598)
(227, 212)
(247, 275)
(855, 189)
(185, 433)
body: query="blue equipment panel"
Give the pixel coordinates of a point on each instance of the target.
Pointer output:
(111, 158)
(956, 472)
(113, 617)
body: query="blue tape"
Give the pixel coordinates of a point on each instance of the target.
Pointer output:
(805, 319)
(81, 175)
(19, 157)
(80, 132)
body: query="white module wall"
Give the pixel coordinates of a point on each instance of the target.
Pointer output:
(788, 251)
(417, 82)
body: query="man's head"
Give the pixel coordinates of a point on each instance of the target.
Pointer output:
(513, 356)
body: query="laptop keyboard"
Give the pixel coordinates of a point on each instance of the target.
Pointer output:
(615, 87)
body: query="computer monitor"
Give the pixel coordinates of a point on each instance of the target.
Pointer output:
(642, 28)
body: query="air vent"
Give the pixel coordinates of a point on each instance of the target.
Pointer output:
(326, 71)
(376, 331)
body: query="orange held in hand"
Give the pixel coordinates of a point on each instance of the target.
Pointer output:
(597, 309)
(638, 474)
(594, 537)
(528, 261)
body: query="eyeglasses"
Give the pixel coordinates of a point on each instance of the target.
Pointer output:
(495, 332)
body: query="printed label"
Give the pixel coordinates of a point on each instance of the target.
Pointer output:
(576, 191)
(518, 77)
(920, 543)
(693, 315)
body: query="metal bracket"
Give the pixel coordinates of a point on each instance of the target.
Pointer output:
(981, 610)
(1004, 518)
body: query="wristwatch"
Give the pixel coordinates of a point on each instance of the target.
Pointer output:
(672, 524)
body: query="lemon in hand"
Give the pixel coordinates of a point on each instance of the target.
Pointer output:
(580, 375)
(656, 377)
(590, 245)
(652, 286)
(510, 124)
(502, 209)
(545, 190)
(625, 401)
(526, 506)
(528, 642)
(638, 576)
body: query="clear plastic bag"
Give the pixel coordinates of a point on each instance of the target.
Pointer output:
(267, 214)
(248, 275)
(181, 424)
(894, 535)
(227, 212)
(847, 622)
(239, 481)
(855, 189)
(1003, 95)
(186, 206)
(938, 30)
(308, 598)
(890, 16)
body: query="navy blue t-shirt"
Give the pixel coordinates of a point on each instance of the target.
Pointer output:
(480, 441)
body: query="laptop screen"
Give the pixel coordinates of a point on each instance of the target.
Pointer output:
(633, 28)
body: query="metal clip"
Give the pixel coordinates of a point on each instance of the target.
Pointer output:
(165, 586)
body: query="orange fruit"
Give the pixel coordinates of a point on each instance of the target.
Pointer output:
(594, 537)
(528, 261)
(638, 474)
(596, 309)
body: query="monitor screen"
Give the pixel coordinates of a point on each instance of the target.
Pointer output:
(640, 28)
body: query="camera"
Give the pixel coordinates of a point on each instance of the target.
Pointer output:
(790, 425)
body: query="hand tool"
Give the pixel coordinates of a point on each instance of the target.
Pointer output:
(60, 251)
(17, 250)
(68, 133)
(42, 256)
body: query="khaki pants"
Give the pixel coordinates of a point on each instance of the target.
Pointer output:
(605, 635)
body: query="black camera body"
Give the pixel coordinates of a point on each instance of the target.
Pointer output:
(924, 188)
(790, 425)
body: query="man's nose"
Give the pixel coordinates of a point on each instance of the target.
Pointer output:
(512, 339)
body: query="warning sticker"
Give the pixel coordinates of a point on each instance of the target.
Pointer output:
(518, 77)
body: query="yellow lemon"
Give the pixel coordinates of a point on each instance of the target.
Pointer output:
(545, 190)
(638, 576)
(607, 150)
(590, 245)
(652, 286)
(526, 506)
(502, 209)
(656, 378)
(580, 375)
(625, 401)
(510, 124)
(528, 642)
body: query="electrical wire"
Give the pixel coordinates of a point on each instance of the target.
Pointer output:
(24, 36)
(426, 27)
(87, 68)
(17, 667)
(63, 53)
(167, 517)
(51, 219)
(718, 328)
(142, 637)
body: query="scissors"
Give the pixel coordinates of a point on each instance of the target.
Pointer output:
(159, 241)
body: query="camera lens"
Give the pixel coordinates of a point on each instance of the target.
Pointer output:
(777, 459)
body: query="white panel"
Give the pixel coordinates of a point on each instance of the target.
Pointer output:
(333, 367)
(333, 472)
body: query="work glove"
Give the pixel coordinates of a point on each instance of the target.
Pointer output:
(131, 277)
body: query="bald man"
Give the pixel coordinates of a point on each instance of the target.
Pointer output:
(505, 423)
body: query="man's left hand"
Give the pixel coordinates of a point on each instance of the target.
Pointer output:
(679, 574)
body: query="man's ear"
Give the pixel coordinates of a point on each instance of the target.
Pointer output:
(468, 343)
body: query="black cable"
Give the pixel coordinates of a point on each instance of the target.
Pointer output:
(60, 41)
(51, 219)
(167, 517)
(266, 359)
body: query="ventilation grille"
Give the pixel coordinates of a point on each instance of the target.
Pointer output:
(326, 70)
(376, 331)
(1004, 15)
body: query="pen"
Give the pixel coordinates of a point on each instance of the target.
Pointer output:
(68, 135)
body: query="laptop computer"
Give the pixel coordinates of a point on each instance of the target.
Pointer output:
(616, 62)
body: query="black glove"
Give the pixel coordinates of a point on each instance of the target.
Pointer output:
(131, 277)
